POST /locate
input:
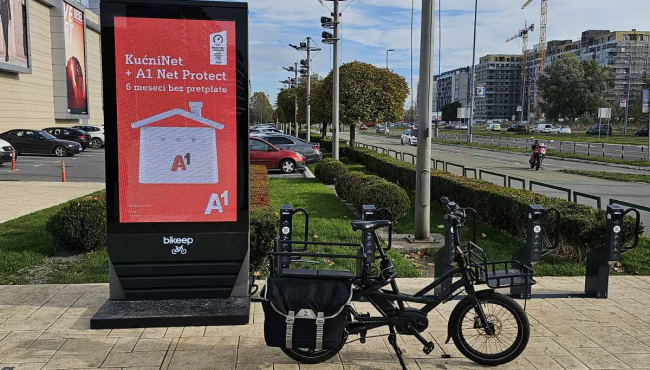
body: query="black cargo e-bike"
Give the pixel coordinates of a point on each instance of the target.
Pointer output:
(309, 315)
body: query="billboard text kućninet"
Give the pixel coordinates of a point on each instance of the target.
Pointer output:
(14, 46)
(75, 55)
(185, 143)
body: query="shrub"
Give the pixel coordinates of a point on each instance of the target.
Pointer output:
(330, 171)
(264, 229)
(259, 187)
(582, 228)
(387, 195)
(80, 226)
(320, 164)
(346, 183)
(367, 183)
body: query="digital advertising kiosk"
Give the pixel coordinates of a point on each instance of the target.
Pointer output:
(175, 77)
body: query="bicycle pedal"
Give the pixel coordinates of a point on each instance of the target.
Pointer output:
(428, 348)
(362, 337)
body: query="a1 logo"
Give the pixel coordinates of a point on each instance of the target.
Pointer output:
(182, 162)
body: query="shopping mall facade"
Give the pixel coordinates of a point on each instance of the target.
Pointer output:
(50, 64)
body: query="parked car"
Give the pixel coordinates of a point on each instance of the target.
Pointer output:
(97, 140)
(264, 153)
(6, 151)
(642, 132)
(493, 127)
(543, 128)
(561, 130)
(462, 126)
(363, 127)
(602, 129)
(40, 142)
(410, 137)
(518, 128)
(71, 134)
(449, 126)
(311, 151)
(383, 130)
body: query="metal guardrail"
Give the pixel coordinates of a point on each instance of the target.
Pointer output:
(628, 204)
(481, 172)
(577, 194)
(541, 184)
(523, 181)
(454, 165)
(473, 170)
(436, 165)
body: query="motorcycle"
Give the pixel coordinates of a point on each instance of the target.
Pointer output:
(539, 153)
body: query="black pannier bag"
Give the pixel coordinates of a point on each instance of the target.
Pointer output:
(302, 313)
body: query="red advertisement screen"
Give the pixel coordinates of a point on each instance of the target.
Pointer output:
(176, 120)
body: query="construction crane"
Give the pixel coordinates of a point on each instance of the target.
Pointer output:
(523, 33)
(542, 49)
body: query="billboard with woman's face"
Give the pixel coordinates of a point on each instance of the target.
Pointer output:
(14, 44)
(75, 55)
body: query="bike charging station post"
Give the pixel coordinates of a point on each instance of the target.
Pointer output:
(597, 277)
(597, 280)
(443, 259)
(176, 91)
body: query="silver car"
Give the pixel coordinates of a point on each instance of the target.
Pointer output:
(311, 151)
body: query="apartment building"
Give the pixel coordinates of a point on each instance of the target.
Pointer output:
(50, 72)
(500, 74)
(451, 87)
(626, 53)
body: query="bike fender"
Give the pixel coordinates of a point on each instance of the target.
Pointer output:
(456, 312)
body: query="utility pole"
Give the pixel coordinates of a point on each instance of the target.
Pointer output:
(425, 97)
(335, 79)
(473, 78)
(629, 82)
(305, 71)
(388, 51)
(295, 98)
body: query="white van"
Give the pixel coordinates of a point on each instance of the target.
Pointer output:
(6, 151)
(543, 128)
(493, 127)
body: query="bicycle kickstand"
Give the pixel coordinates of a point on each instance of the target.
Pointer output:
(392, 339)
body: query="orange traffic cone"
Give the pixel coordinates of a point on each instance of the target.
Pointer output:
(13, 161)
(63, 171)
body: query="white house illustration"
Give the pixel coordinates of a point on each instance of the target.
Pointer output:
(178, 155)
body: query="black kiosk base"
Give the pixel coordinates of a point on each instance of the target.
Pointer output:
(117, 314)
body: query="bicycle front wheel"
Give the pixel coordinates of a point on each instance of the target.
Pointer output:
(506, 336)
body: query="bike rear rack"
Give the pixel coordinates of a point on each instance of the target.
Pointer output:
(499, 274)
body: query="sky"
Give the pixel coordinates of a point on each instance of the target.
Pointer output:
(370, 27)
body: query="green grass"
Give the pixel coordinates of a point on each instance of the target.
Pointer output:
(637, 262)
(93, 268)
(24, 242)
(550, 153)
(614, 176)
(329, 221)
(576, 136)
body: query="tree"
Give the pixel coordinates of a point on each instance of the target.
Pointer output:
(450, 111)
(285, 105)
(410, 114)
(261, 109)
(571, 88)
(367, 94)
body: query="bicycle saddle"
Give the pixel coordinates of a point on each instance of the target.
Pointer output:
(370, 225)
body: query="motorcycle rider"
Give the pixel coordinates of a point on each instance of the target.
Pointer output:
(534, 147)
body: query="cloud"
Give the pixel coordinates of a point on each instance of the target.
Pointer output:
(372, 26)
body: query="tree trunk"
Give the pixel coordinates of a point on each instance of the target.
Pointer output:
(324, 130)
(353, 134)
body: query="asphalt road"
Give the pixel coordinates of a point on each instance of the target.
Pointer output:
(87, 166)
(514, 164)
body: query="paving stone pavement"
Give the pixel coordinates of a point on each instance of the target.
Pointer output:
(47, 327)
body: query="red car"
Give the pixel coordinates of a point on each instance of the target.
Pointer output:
(363, 127)
(274, 158)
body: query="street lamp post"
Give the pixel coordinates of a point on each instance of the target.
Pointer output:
(305, 71)
(629, 82)
(387, 51)
(473, 77)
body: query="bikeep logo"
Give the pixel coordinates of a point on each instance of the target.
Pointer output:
(172, 240)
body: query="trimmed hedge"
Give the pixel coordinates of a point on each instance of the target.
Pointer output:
(264, 229)
(360, 189)
(582, 228)
(80, 226)
(259, 187)
(330, 171)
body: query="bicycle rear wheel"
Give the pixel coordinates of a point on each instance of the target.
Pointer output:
(310, 356)
(506, 338)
